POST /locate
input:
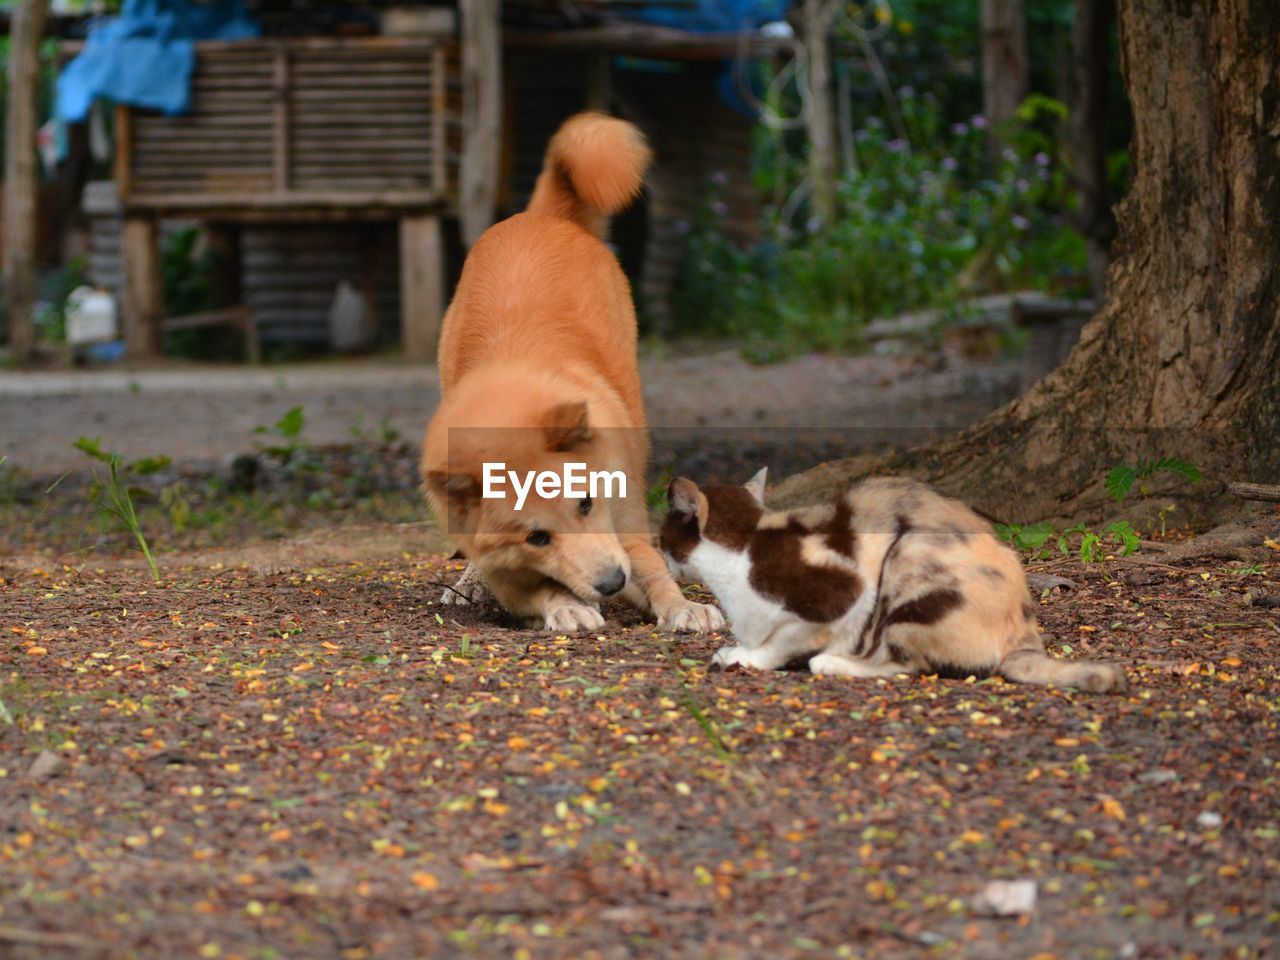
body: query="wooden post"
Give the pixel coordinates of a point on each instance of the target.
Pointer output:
(421, 284)
(599, 81)
(1004, 63)
(481, 115)
(816, 17)
(280, 120)
(141, 307)
(27, 30)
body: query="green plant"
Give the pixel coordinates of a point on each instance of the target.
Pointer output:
(920, 223)
(114, 497)
(51, 316)
(384, 435)
(1030, 538)
(286, 434)
(173, 498)
(655, 498)
(1092, 545)
(1120, 479)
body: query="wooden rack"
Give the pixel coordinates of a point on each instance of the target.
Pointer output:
(299, 130)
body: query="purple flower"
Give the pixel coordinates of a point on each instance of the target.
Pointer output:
(719, 208)
(907, 92)
(813, 224)
(1009, 155)
(719, 178)
(979, 121)
(861, 136)
(895, 145)
(875, 123)
(1042, 159)
(950, 163)
(1023, 185)
(959, 129)
(1019, 223)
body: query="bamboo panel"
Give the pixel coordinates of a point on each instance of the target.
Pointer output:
(179, 127)
(302, 121)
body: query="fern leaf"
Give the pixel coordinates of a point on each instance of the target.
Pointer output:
(1120, 481)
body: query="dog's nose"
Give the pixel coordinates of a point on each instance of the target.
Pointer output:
(611, 582)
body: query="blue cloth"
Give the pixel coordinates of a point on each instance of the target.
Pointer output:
(145, 56)
(712, 16)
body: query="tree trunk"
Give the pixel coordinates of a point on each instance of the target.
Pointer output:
(1004, 62)
(1091, 61)
(20, 182)
(1184, 359)
(817, 17)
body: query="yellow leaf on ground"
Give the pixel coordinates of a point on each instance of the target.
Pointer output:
(425, 881)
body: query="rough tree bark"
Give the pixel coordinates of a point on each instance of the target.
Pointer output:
(1091, 60)
(1184, 359)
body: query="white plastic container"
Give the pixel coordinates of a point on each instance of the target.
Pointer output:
(91, 316)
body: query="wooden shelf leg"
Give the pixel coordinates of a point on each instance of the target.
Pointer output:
(421, 284)
(142, 307)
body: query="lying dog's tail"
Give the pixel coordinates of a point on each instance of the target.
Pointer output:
(594, 167)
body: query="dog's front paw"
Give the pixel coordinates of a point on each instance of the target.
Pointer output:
(689, 617)
(573, 617)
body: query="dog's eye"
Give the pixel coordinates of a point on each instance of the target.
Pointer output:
(584, 507)
(539, 538)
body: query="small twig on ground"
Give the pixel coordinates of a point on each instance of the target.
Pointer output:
(40, 938)
(1150, 563)
(1266, 492)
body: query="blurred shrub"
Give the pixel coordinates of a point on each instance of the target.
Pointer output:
(920, 222)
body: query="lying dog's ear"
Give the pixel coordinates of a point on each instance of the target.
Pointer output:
(460, 489)
(755, 486)
(566, 427)
(684, 499)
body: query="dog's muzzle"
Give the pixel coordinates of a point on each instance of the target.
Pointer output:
(611, 583)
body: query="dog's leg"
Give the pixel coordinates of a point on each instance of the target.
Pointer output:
(652, 590)
(468, 589)
(545, 601)
(564, 613)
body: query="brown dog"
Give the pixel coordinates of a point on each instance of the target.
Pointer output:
(538, 370)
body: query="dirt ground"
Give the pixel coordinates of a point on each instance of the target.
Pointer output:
(304, 756)
(288, 749)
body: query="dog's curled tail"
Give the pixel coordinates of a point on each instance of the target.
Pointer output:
(594, 167)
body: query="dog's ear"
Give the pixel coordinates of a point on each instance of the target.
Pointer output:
(566, 426)
(755, 486)
(460, 489)
(684, 499)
